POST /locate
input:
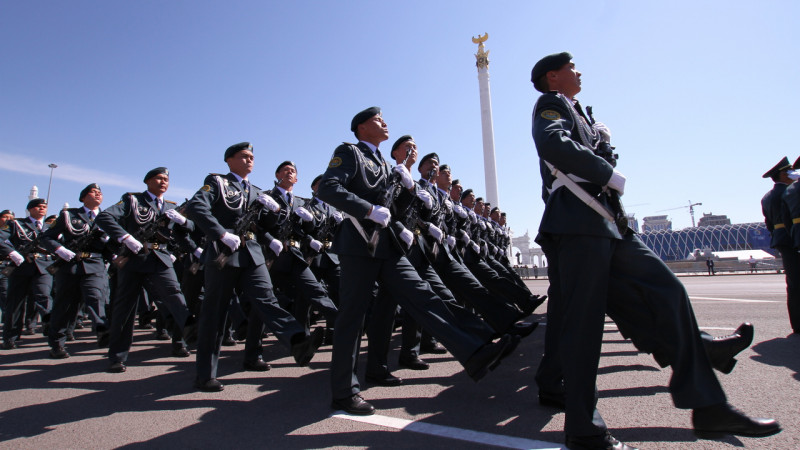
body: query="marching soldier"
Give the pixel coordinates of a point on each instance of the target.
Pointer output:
(5, 217)
(142, 223)
(79, 273)
(232, 213)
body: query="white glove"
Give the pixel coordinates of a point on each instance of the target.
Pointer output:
(16, 258)
(465, 238)
(65, 253)
(407, 237)
(172, 257)
(482, 224)
(448, 204)
(605, 133)
(426, 197)
(460, 211)
(379, 215)
(472, 216)
(132, 244)
(231, 240)
(405, 176)
(337, 216)
(268, 202)
(435, 232)
(617, 182)
(451, 241)
(276, 247)
(315, 244)
(475, 247)
(304, 215)
(198, 252)
(175, 216)
(794, 174)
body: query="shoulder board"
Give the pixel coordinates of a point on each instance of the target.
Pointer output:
(347, 143)
(170, 202)
(216, 174)
(257, 187)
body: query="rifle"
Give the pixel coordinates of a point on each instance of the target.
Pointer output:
(243, 225)
(323, 233)
(386, 200)
(146, 234)
(606, 151)
(80, 245)
(26, 250)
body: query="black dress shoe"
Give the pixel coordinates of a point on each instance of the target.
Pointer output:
(117, 367)
(512, 345)
(212, 385)
(180, 351)
(552, 399)
(388, 380)
(718, 420)
(162, 335)
(477, 366)
(258, 365)
(721, 350)
(413, 363)
(28, 332)
(59, 353)
(522, 329)
(79, 325)
(354, 405)
(228, 340)
(9, 345)
(433, 348)
(144, 326)
(598, 442)
(103, 339)
(304, 350)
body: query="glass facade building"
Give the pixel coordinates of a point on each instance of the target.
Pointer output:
(677, 245)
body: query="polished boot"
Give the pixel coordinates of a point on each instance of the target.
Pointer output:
(598, 442)
(387, 380)
(304, 349)
(479, 364)
(718, 420)
(722, 350)
(354, 405)
(212, 385)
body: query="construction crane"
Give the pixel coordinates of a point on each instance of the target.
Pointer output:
(691, 210)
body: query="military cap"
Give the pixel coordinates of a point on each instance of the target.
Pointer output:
(7, 211)
(89, 188)
(455, 182)
(154, 172)
(796, 164)
(236, 148)
(429, 156)
(548, 63)
(466, 193)
(400, 140)
(284, 164)
(444, 167)
(494, 209)
(36, 202)
(316, 180)
(782, 165)
(479, 199)
(363, 116)
(503, 214)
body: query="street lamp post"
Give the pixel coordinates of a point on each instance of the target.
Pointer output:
(51, 166)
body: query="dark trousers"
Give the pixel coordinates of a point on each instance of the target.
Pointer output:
(161, 285)
(25, 285)
(415, 295)
(626, 280)
(254, 286)
(791, 265)
(308, 291)
(495, 283)
(74, 288)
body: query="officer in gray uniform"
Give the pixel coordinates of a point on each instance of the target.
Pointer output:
(601, 267)
(370, 250)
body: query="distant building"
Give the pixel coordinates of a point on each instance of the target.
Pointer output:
(678, 245)
(633, 223)
(656, 223)
(710, 219)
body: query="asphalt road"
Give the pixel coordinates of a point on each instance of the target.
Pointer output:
(73, 403)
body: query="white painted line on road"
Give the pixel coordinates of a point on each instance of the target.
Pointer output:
(735, 300)
(461, 434)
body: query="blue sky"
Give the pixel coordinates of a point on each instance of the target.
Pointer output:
(701, 97)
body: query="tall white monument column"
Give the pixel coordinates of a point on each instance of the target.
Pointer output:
(489, 169)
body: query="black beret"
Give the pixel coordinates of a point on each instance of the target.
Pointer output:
(444, 167)
(429, 156)
(316, 180)
(7, 211)
(782, 165)
(36, 202)
(479, 199)
(154, 172)
(236, 148)
(284, 164)
(87, 189)
(494, 209)
(465, 193)
(49, 218)
(400, 140)
(503, 214)
(548, 63)
(796, 164)
(455, 182)
(363, 116)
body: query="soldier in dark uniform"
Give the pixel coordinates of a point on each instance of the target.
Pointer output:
(781, 205)
(81, 277)
(234, 262)
(601, 268)
(5, 217)
(369, 251)
(324, 262)
(30, 281)
(147, 263)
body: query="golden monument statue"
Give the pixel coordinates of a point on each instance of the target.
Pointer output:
(482, 56)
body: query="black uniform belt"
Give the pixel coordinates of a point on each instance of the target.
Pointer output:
(796, 220)
(249, 236)
(327, 244)
(85, 255)
(780, 225)
(41, 256)
(291, 243)
(155, 245)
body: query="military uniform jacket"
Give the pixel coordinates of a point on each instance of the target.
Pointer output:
(20, 233)
(355, 180)
(216, 207)
(72, 224)
(324, 228)
(286, 227)
(772, 208)
(791, 213)
(565, 139)
(130, 214)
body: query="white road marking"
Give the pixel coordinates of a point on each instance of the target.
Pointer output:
(461, 434)
(735, 300)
